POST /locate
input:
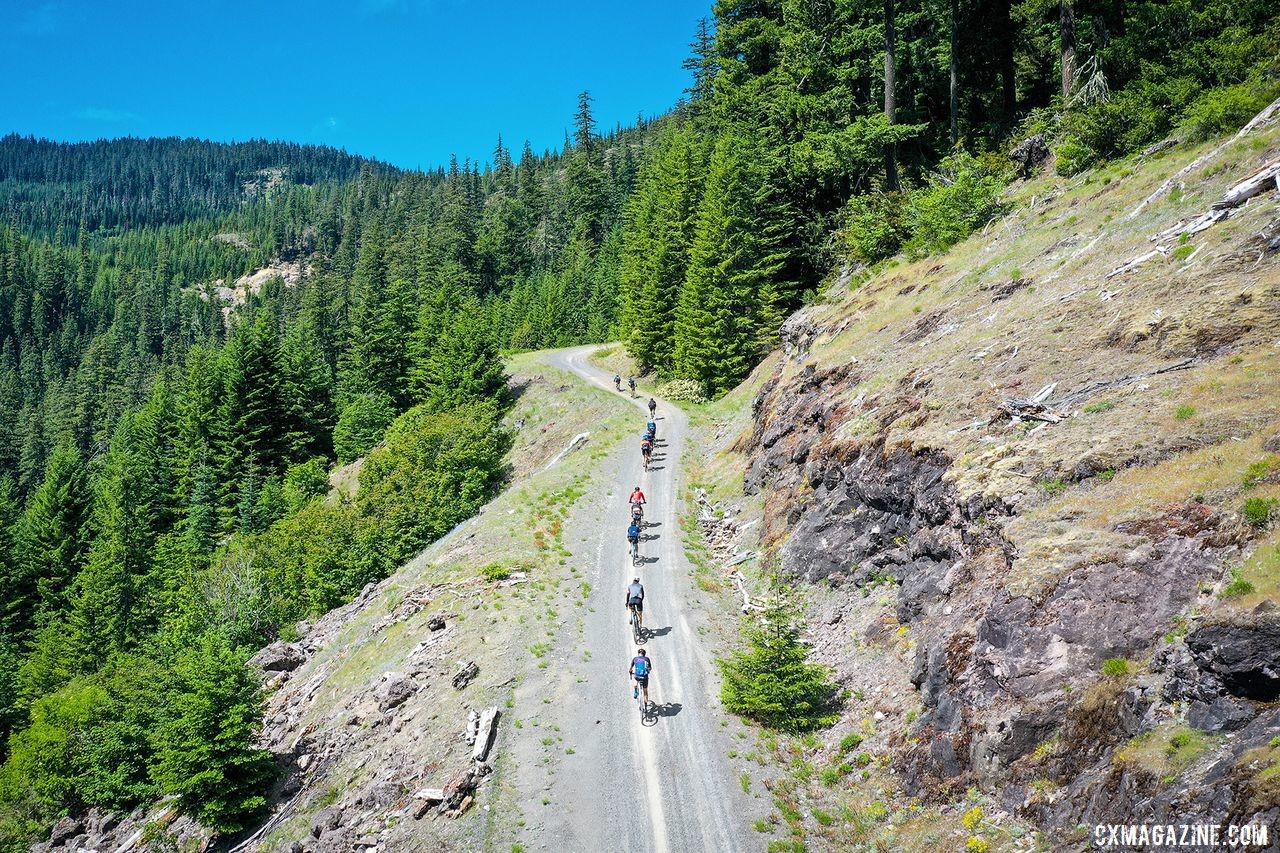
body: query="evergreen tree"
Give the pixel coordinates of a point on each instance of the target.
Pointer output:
(18, 587)
(728, 308)
(306, 389)
(205, 742)
(463, 366)
(584, 183)
(773, 681)
(53, 542)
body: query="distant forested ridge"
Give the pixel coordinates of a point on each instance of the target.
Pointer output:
(120, 184)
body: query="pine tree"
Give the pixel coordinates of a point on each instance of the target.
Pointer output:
(114, 603)
(255, 408)
(584, 182)
(205, 743)
(463, 366)
(17, 587)
(655, 252)
(773, 681)
(728, 308)
(53, 541)
(306, 390)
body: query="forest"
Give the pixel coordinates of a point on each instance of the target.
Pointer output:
(165, 458)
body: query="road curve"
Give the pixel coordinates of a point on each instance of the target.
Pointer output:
(665, 785)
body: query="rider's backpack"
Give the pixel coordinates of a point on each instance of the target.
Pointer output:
(641, 667)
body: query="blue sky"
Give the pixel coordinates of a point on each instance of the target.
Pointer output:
(408, 81)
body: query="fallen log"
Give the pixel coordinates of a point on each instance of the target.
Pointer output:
(484, 734)
(1136, 262)
(1255, 184)
(1257, 121)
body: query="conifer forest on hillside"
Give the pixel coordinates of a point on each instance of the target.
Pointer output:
(195, 336)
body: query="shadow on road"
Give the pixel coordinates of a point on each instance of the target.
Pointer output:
(657, 632)
(647, 560)
(666, 709)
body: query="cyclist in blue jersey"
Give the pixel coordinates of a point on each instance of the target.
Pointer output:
(641, 668)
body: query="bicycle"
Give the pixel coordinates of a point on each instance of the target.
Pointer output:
(637, 630)
(635, 552)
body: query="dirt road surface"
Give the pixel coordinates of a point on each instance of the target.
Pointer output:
(664, 783)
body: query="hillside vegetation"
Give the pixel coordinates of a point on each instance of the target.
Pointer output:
(240, 384)
(1043, 623)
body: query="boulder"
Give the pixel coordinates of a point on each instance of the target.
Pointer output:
(279, 657)
(465, 674)
(394, 691)
(1029, 153)
(1224, 714)
(66, 829)
(325, 820)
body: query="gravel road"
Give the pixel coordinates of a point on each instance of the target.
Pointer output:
(660, 784)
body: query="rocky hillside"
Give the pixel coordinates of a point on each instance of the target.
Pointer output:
(1031, 487)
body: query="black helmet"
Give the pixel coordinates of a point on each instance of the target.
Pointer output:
(642, 651)
(635, 580)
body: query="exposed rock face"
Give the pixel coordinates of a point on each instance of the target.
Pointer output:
(1245, 659)
(1002, 671)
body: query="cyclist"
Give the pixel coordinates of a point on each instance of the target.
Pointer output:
(635, 601)
(641, 667)
(631, 380)
(617, 381)
(646, 448)
(653, 408)
(653, 430)
(637, 501)
(633, 538)
(637, 515)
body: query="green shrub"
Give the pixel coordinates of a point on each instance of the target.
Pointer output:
(1115, 667)
(850, 742)
(1100, 406)
(433, 471)
(1220, 111)
(683, 391)
(361, 425)
(1257, 511)
(1183, 252)
(823, 817)
(304, 483)
(1073, 157)
(1260, 471)
(1238, 587)
(495, 572)
(1184, 412)
(1055, 486)
(963, 195)
(873, 226)
(773, 682)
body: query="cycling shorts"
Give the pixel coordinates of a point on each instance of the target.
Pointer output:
(642, 680)
(637, 603)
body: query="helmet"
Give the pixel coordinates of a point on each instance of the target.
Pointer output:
(635, 580)
(642, 651)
